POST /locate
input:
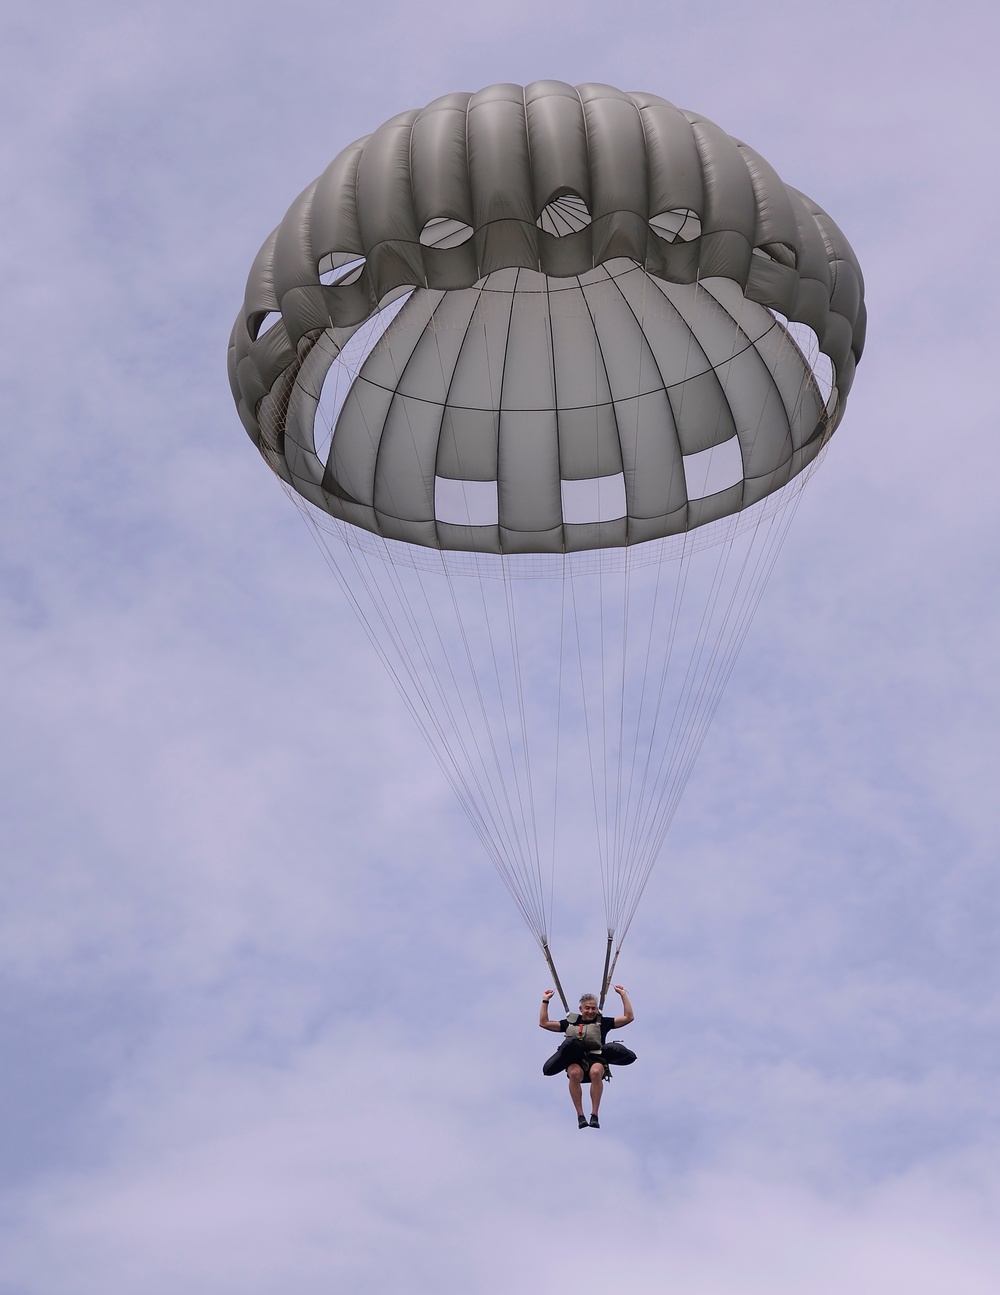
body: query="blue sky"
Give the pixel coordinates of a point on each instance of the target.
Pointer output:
(268, 1016)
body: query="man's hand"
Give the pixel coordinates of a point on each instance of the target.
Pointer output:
(543, 1012)
(628, 1016)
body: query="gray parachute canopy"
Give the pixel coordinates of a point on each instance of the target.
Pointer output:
(529, 321)
(552, 363)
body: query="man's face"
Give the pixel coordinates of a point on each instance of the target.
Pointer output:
(588, 1009)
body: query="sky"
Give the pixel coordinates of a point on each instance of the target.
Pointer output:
(268, 1017)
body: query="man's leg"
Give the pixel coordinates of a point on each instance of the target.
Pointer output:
(574, 1074)
(596, 1084)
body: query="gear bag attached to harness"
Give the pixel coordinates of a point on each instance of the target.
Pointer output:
(579, 1047)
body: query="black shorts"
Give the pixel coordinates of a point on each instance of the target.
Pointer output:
(586, 1062)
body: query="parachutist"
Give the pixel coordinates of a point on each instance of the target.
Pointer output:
(582, 1054)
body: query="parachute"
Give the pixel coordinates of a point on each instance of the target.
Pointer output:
(546, 369)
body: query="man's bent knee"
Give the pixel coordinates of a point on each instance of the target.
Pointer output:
(573, 1071)
(596, 1071)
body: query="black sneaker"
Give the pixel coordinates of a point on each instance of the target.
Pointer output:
(595, 1123)
(581, 1121)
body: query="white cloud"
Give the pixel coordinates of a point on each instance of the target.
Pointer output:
(269, 1016)
(405, 1174)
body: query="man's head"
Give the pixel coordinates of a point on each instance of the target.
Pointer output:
(588, 1006)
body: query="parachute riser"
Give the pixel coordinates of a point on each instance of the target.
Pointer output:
(605, 974)
(609, 972)
(555, 976)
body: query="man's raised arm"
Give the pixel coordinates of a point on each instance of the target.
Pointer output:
(628, 1015)
(543, 1012)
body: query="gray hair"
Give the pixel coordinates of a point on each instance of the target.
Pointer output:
(587, 998)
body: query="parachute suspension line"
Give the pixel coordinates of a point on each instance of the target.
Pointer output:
(429, 720)
(774, 537)
(591, 744)
(615, 848)
(424, 715)
(524, 866)
(678, 759)
(680, 567)
(423, 719)
(633, 846)
(763, 564)
(678, 756)
(513, 850)
(525, 744)
(559, 702)
(539, 924)
(512, 715)
(507, 854)
(605, 852)
(689, 691)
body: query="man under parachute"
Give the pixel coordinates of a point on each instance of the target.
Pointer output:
(585, 1052)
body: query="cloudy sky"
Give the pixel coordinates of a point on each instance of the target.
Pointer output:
(268, 1016)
